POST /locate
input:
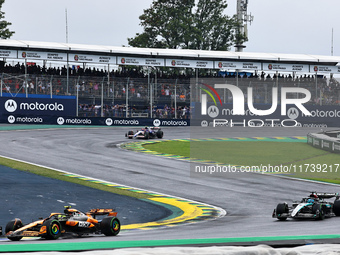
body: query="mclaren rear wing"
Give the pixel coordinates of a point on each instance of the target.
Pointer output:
(109, 212)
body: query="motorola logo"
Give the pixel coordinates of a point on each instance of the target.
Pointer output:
(293, 113)
(11, 105)
(156, 122)
(213, 111)
(60, 121)
(11, 119)
(204, 123)
(108, 121)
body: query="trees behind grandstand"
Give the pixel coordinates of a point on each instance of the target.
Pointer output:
(184, 24)
(5, 33)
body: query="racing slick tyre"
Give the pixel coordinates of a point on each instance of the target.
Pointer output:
(12, 226)
(159, 134)
(130, 134)
(336, 207)
(110, 226)
(280, 209)
(317, 209)
(53, 229)
(146, 136)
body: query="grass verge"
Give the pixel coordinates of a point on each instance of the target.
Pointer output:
(302, 160)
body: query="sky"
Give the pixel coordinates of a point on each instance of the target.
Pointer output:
(279, 26)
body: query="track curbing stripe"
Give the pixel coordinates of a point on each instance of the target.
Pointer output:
(184, 211)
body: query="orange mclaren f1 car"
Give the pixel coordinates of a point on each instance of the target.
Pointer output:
(71, 221)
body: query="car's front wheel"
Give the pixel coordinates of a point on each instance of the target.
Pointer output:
(281, 209)
(130, 134)
(12, 226)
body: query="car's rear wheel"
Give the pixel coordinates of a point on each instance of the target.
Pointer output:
(12, 226)
(159, 134)
(53, 229)
(336, 207)
(317, 209)
(110, 226)
(146, 135)
(281, 209)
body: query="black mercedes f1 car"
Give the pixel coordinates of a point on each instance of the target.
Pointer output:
(313, 207)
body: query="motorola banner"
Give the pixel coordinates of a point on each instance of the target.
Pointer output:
(88, 121)
(37, 106)
(287, 116)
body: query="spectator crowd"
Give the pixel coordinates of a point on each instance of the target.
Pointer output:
(170, 88)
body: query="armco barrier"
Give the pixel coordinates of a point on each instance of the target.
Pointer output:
(329, 141)
(88, 121)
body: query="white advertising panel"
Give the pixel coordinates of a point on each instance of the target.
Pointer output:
(32, 54)
(55, 56)
(84, 58)
(189, 63)
(8, 54)
(237, 65)
(285, 67)
(324, 69)
(251, 66)
(140, 61)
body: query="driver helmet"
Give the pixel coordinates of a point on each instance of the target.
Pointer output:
(310, 200)
(314, 196)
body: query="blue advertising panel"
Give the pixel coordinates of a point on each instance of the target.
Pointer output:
(37, 106)
(321, 116)
(88, 121)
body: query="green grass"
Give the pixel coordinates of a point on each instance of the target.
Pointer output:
(304, 160)
(46, 172)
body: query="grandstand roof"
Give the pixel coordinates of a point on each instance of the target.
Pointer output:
(168, 53)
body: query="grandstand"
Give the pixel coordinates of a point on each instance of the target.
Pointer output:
(135, 82)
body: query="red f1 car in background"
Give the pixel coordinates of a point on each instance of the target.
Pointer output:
(146, 133)
(71, 221)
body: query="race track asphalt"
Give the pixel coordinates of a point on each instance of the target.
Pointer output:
(29, 197)
(249, 199)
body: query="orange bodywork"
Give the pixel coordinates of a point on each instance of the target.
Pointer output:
(71, 217)
(109, 212)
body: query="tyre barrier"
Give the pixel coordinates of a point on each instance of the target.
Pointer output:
(327, 140)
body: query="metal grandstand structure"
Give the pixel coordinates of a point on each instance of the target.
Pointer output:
(151, 58)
